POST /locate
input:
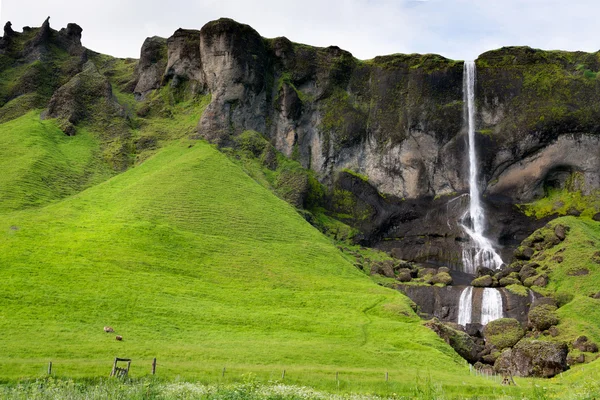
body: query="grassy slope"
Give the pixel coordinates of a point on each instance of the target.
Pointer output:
(40, 164)
(195, 263)
(582, 314)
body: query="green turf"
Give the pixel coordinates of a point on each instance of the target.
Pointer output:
(193, 262)
(40, 164)
(573, 267)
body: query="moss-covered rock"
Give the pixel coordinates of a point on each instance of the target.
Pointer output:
(518, 289)
(533, 358)
(509, 281)
(582, 343)
(483, 281)
(461, 342)
(528, 271)
(542, 317)
(537, 280)
(503, 333)
(443, 278)
(524, 253)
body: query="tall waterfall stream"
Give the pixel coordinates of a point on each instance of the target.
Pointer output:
(479, 251)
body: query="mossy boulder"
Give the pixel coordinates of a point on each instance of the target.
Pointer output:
(460, 341)
(537, 280)
(443, 278)
(483, 281)
(509, 281)
(404, 276)
(524, 253)
(582, 343)
(560, 231)
(528, 271)
(542, 317)
(537, 358)
(503, 333)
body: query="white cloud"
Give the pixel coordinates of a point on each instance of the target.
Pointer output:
(454, 28)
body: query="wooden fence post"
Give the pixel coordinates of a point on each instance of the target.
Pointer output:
(283, 375)
(223, 374)
(154, 366)
(386, 376)
(50, 368)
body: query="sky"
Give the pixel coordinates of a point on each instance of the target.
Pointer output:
(457, 29)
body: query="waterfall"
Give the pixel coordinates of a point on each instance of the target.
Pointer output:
(465, 305)
(479, 252)
(491, 305)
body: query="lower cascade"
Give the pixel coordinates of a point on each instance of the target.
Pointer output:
(465, 306)
(491, 305)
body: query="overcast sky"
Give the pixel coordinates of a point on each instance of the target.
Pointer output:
(459, 29)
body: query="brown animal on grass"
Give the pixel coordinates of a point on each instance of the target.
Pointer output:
(119, 338)
(108, 329)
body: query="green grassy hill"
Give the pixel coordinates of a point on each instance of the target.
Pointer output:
(192, 262)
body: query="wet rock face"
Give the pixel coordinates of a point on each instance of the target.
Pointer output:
(442, 303)
(534, 358)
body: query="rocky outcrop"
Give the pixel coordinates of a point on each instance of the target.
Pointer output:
(533, 358)
(460, 341)
(47, 59)
(151, 66)
(87, 94)
(234, 62)
(184, 60)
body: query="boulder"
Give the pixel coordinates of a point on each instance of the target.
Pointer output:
(474, 329)
(538, 280)
(443, 278)
(560, 231)
(423, 272)
(503, 333)
(484, 281)
(383, 268)
(535, 358)
(528, 271)
(577, 358)
(444, 269)
(509, 281)
(582, 343)
(524, 253)
(483, 271)
(491, 357)
(509, 269)
(404, 276)
(460, 341)
(542, 317)
(596, 217)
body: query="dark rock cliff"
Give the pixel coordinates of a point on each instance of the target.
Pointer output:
(398, 120)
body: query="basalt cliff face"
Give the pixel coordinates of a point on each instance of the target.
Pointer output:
(398, 121)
